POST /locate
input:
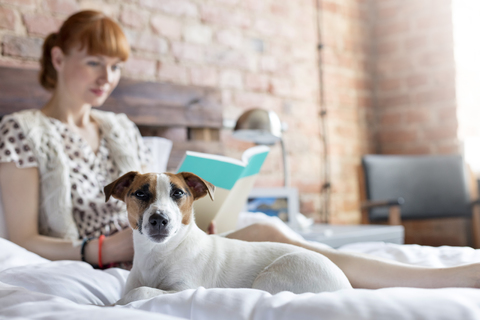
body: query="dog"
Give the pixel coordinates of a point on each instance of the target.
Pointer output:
(173, 254)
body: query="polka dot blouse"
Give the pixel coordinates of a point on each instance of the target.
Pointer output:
(89, 173)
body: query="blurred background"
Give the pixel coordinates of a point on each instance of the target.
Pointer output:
(347, 77)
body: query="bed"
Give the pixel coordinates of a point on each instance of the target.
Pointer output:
(35, 288)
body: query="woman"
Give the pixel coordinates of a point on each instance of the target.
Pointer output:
(55, 162)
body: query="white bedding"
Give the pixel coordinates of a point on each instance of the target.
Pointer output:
(35, 288)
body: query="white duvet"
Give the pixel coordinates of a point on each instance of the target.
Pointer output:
(35, 288)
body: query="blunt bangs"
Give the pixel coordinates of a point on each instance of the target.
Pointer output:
(104, 37)
(96, 32)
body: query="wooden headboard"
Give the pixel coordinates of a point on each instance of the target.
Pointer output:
(190, 116)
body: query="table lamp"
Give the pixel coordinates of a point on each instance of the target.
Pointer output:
(262, 127)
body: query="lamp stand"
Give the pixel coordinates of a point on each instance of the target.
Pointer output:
(286, 174)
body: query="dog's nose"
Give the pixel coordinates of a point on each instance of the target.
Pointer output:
(158, 220)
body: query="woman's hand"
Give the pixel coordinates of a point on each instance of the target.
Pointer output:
(115, 248)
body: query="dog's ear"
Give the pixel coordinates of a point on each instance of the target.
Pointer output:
(119, 187)
(199, 187)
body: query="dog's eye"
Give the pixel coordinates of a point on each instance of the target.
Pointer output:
(177, 193)
(140, 194)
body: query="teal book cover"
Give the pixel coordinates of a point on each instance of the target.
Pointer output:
(233, 180)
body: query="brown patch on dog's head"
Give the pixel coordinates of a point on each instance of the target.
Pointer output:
(194, 187)
(119, 187)
(136, 190)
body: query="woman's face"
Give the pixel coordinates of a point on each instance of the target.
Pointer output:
(87, 79)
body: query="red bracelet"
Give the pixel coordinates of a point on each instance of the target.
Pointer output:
(100, 242)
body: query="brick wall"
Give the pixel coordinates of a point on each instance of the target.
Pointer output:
(387, 70)
(258, 53)
(348, 89)
(415, 77)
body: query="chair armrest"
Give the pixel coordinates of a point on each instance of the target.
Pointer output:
(383, 203)
(394, 217)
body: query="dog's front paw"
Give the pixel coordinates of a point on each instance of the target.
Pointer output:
(139, 293)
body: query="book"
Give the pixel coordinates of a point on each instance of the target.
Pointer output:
(233, 180)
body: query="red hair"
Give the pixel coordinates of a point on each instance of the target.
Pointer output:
(91, 29)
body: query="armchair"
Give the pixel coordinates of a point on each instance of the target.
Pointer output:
(397, 188)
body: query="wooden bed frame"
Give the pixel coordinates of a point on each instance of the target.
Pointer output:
(190, 116)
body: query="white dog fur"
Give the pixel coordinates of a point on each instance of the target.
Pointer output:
(173, 254)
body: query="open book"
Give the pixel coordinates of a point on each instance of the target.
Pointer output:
(233, 180)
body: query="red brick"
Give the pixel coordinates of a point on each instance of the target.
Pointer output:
(449, 148)
(23, 64)
(40, 24)
(415, 41)
(265, 27)
(189, 52)
(436, 95)
(390, 84)
(388, 48)
(197, 33)
(269, 63)
(227, 58)
(231, 79)
(180, 8)
(417, 116)
(281, 87)
(173, 73)
(441, 133)
(257, 82)
(398, 135)
(307, 207)
(133, 18)
(66, 7)
(255, 6)
(204, 77)
(22, 47)
(230, 37)
(141, 67)
(228, 2)
(23, 3)
(446, 114)
(417, 80)
(391, 118)
(150, 43)
(395, 100)
(281, 10)
(225, 16)
(422, 148)
(393, 28)
(435, 59)
(166, 26)
(248, 100)
(390, 12)
(7, 18)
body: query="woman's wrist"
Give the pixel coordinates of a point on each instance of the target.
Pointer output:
(91, 252)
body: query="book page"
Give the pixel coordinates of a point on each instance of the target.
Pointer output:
(227, 216)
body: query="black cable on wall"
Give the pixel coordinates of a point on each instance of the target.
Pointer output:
(325, 191)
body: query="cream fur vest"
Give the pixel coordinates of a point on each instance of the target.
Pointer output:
(55, 205)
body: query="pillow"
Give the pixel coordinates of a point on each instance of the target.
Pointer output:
(160, 148)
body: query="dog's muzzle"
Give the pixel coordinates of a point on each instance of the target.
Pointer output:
(158, 224)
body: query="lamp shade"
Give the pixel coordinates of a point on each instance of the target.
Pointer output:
(259, 126)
